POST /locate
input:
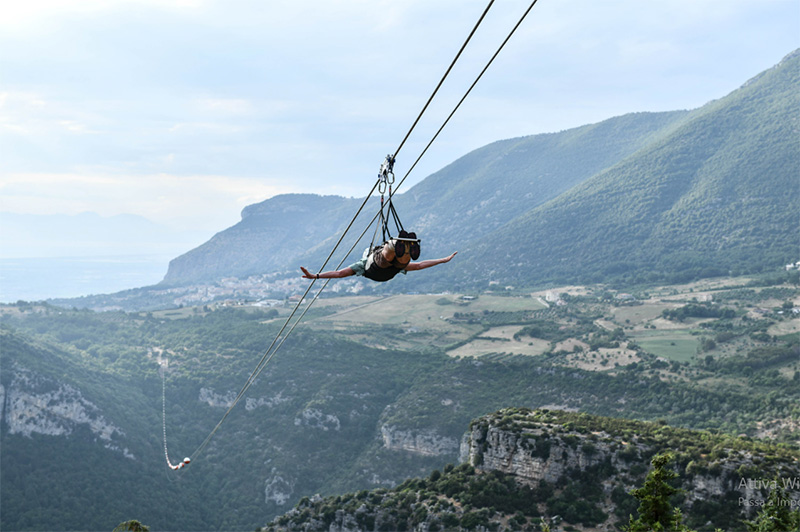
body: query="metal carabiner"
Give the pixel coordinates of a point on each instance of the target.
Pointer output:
(386, 172)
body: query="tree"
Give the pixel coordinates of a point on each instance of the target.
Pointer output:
(776, 515)
(131, 526)
(655, 511)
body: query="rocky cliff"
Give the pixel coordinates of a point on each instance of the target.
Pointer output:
(537, 446)
(34, 404)
(425, 442)
(525, 467)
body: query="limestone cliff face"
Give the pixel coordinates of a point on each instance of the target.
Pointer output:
(211, 398)
(533, 456)
(426, 442)
(33, 404)
(539, 451)
(568, 467)
(278, 488)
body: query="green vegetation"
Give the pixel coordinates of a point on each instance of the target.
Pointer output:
(776, 514)
(708, 198)
(470, 497)
(655, 510)
(456, 497)
(634, 200)
(373, 391)
(131, 526)
(679, 346)
(530, 171)
(314, 421)
(699, 311)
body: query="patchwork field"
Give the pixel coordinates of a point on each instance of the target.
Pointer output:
(676, 344)
(486, 325)
(602, 360)
(501, 340)
(424, 320)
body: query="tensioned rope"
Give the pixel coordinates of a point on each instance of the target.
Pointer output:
(485, 68)
(316, 296)
(452, 64)
(269, 353)
(391, 193)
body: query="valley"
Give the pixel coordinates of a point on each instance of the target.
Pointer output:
(622, 289)
(370, 390)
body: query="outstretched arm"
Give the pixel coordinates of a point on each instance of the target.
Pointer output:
(428, 263)
(337, 274)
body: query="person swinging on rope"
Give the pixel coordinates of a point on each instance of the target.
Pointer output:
(383, 262)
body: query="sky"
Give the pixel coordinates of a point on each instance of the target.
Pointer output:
(185, 111)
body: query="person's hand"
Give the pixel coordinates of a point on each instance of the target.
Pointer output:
(307, 274)
(447, 259)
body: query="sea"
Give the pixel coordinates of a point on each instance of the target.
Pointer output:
(38, 279)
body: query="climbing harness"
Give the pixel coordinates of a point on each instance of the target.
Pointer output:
(384, 184)
(388, 212)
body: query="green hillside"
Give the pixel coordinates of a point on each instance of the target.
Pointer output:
(379, 386)
(271, 235)
(639, 198)
(720, 195)
(482, 190)
(357, 399)
(491, 186)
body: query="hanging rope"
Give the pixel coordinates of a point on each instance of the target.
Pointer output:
(278, 341)
(383, 220)
(186, 461)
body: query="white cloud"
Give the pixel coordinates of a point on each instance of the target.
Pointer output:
(146, 106)
(73, 126)
(206, 202)
(18, 16)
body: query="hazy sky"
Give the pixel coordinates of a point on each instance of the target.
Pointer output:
(185, 111)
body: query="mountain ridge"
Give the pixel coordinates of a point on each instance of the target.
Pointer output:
(643, 186)
(650, 205)
(424, 207)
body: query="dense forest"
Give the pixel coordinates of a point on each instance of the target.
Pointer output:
(357, 399)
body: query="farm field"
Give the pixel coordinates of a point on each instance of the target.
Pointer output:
(498, 326)
(501, 340)
(419, 321)
(676, 344)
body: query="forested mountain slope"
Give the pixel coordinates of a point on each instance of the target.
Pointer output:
(469, 198)
(357, 399)
(719, 195)
(643, 197)
(491, 186)
(525, 468)
(270, 236)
